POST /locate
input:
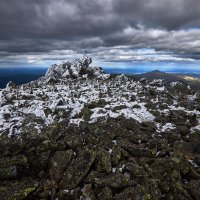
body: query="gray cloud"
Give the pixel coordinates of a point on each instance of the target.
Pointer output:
(41, 28)
(160, 14)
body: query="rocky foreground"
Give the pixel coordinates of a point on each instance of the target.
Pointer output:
(80, 134)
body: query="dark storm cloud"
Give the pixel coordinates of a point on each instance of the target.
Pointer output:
(163, 13)
(43, 26)
(56, 19)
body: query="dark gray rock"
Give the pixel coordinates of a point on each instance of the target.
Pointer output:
(78, 169)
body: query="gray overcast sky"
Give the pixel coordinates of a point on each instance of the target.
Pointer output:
(40, 31)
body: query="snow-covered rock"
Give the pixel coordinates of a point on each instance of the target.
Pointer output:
(76, 133)
(80, 93)
(75, 69)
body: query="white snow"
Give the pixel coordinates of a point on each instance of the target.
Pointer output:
(192, 97)
(165, 127)
(173, 84)
(121, 168)
(67, 97)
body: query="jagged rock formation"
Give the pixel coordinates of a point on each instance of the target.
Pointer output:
(75, 69)
(74, 134)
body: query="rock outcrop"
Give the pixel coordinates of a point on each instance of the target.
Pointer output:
(74, 134)
(75, 69)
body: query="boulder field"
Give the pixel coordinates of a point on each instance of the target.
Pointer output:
(80, 134)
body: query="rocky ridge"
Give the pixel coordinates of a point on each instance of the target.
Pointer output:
(78, 133)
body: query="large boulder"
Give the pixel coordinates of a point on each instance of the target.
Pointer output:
(78, 169)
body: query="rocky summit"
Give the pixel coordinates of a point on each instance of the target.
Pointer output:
(80, 134)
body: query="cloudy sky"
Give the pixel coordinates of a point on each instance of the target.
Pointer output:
(40, 32)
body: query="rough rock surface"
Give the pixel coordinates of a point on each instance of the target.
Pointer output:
(88, 135)
(75, 69)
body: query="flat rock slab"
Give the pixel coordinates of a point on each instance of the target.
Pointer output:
(78, 169)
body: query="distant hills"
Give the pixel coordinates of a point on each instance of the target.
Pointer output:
(189, 79)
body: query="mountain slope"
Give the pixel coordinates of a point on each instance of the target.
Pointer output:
(77, 133)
